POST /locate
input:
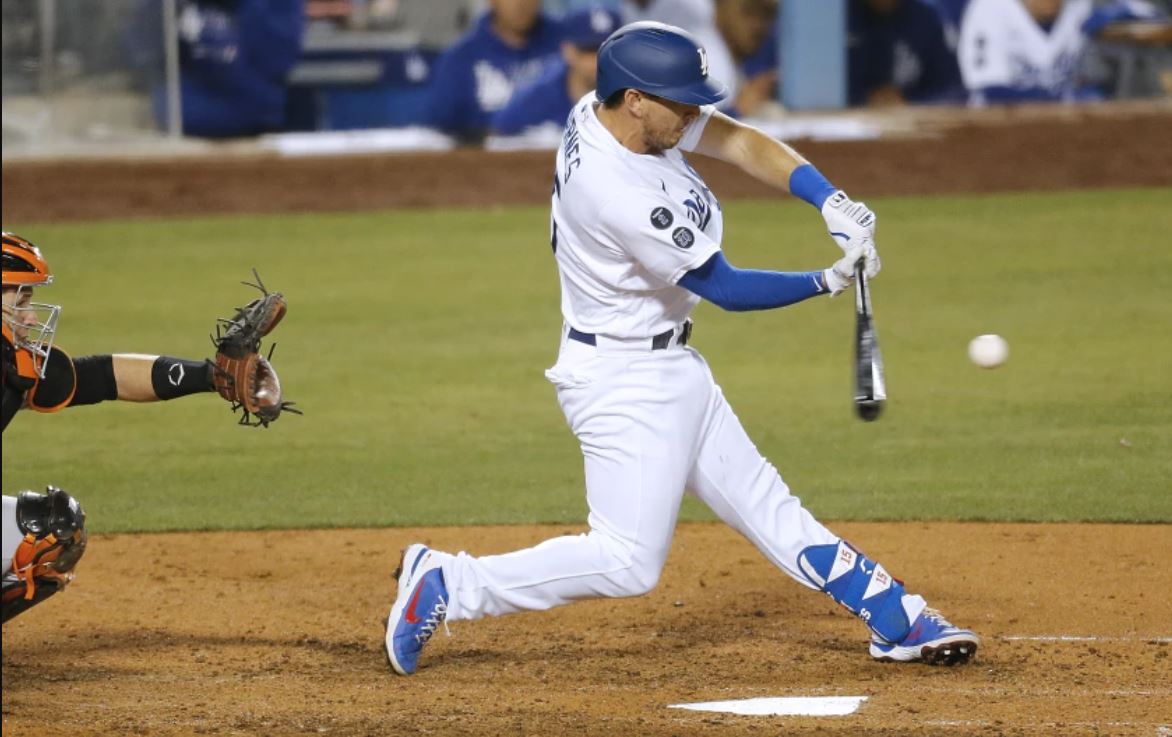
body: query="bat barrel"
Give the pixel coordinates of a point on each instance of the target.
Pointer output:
(870, 388)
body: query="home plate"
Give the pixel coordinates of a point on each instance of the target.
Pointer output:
(793, 706)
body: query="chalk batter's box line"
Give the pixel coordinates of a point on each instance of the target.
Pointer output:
(1080, 638)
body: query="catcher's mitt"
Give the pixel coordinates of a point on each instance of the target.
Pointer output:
(240, 374)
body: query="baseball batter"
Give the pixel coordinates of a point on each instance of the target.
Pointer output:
(636, 235)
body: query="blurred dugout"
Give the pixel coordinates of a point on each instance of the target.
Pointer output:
(68, 80)
(80, 74)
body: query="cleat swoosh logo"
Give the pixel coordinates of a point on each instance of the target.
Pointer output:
(410, 615)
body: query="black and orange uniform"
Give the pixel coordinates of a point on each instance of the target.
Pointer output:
(44, 534)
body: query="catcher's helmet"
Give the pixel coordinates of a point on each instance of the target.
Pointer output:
(660, 60)
(28, 326)
(24, 264)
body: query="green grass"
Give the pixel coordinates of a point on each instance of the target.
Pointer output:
(416, 342)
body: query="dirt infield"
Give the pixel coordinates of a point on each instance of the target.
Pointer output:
(279, 633)
(1046, 148)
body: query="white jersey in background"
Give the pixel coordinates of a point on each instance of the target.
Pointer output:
(691, 15)
(1001, 45)
(626, 226)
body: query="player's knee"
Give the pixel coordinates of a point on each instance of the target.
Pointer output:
(633, 581)
(639, 575)
(53, 525)
(645, 578)
(631, 570)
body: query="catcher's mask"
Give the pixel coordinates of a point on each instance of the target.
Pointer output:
(29, 326)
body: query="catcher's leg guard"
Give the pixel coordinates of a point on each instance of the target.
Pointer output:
(15, 591)
(862, 587)
(54, 541)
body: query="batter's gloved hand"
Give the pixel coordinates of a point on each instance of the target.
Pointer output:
(240, 374)
(842, 274)
(849, 222)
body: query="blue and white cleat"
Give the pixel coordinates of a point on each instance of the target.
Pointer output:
(932, 639)
(420, 607)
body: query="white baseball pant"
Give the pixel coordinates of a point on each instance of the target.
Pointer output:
(651, 424)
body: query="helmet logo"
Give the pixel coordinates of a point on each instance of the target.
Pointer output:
(703, 61)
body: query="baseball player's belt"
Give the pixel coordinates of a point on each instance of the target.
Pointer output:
(655, 343)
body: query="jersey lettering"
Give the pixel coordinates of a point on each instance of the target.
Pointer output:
(570, 148)
(493, 88)
(701, 201)
(699, 211)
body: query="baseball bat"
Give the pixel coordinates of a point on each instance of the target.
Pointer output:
(870, 387)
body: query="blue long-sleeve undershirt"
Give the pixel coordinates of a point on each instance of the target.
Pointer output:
(742, 290)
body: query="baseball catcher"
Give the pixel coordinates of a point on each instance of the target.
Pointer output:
(44, 535)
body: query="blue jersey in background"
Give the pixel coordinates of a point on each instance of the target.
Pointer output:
(544, 101)
(906, 48)
(234, 57)
(547, 99)
(476, 76)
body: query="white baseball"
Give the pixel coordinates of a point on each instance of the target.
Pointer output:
(988, 351)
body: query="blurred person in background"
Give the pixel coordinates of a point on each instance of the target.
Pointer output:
(898, 53)
(951, 12)
(509, 47)
(234, 56)
(742, 53)
(1023, 50)
(547, 101)
(691, 15)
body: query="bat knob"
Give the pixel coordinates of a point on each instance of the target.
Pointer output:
(869, 410)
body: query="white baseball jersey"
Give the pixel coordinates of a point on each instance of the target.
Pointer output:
(1001, 45)
(625, 227)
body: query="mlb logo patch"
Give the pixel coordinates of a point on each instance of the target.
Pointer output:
(683, 237)
(661, 218)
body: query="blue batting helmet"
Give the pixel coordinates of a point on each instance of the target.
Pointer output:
(660, 60)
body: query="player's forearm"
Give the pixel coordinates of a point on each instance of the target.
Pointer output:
(147, 378)
(762, 157)
(744, 290)
(749, 149)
